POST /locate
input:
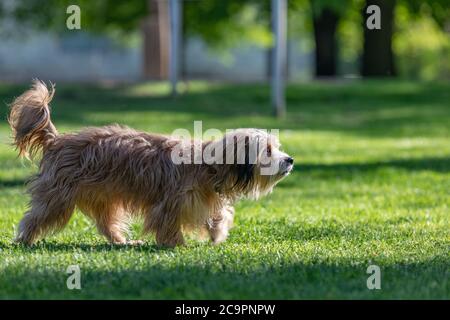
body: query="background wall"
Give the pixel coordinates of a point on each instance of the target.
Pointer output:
(82, 56)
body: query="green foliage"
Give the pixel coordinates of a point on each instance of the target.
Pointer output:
(370, 187)
(224, 24)
(421, 43)
(338, 6)
(97, 16)
(421, 46)
(439, 10)
(350, 34)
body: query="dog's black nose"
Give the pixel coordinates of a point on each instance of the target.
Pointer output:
(290, 160)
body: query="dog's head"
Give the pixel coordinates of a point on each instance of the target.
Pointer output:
(252, 162)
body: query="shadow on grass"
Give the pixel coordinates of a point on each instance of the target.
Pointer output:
(350, 170)
(13, 183)
(413, 164)
(313, 280)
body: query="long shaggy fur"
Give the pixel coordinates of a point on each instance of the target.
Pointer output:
(114, 172)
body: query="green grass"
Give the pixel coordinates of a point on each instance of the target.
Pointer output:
(371, 186)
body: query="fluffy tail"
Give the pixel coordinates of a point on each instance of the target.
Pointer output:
(30, 120)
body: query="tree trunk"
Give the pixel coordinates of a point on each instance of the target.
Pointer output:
(378, 58)
(156, 31)
(325, 24)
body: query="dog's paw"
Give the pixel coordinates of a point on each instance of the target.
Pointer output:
(135, 242)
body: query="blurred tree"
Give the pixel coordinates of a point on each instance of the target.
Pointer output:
(227, 23)
(223, 24)
(326, 16)
(109, 16)
(156, 34)
(96, 16)
(377, 57)
(422, 42)
(439, 10)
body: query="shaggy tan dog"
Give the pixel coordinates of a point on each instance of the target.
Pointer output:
(112, 173)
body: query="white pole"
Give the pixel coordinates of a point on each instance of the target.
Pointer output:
(279, 26)
(175, 40)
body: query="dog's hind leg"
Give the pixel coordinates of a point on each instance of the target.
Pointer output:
(50, 211)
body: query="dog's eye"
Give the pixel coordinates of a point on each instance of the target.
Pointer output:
(269, 151)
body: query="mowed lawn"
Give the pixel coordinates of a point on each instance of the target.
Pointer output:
(371, 187)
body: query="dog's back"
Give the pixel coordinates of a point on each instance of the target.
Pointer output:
(99, 156)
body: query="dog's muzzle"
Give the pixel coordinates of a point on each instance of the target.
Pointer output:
(286, 166)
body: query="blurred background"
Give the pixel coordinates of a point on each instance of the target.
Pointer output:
(128, 41)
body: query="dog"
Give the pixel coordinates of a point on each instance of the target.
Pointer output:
(113, 173)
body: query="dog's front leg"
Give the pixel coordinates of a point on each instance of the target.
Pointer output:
(167, 227)
(169, 238)
(220, 224)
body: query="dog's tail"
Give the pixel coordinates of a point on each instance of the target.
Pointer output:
(30, 122)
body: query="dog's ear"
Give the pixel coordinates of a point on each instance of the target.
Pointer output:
(244, 175)
(245, 171)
